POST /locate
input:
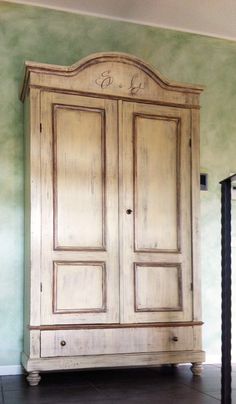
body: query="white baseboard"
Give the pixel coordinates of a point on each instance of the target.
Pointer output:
(11, 370)
(216, 359)
(213, 359)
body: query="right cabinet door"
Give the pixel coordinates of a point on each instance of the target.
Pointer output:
(155, 214)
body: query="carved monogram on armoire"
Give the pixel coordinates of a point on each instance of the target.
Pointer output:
(106, 79)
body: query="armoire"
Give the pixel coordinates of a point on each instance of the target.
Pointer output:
(111, 217)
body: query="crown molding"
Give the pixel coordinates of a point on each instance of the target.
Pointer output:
(172, 27)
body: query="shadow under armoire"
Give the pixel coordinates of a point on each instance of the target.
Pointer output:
(111, 220)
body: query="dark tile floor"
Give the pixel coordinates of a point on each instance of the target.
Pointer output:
(163, 385)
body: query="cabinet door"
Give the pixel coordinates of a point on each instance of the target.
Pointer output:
(155, 214)
(79, 177)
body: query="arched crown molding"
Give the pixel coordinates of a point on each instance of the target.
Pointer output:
(110, 73)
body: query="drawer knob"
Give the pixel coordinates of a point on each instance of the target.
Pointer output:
(129, 211)
(175, 339)
(63, 343)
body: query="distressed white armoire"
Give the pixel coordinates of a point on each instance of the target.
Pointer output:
(111, 218)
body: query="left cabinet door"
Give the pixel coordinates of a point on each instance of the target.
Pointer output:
(79, 205)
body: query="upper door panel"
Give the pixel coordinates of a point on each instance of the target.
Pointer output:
(79, 177)
(156, 182)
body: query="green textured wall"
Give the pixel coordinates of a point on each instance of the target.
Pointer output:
(31, 33)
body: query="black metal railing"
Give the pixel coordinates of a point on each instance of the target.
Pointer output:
(226, 290)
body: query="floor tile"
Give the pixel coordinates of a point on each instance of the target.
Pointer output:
(167, 398)
(1, 396)
(67, 395)
(157, 385)
(209, 381)
(180, 395)
(217, 394)
(13, 382)
(59, 379)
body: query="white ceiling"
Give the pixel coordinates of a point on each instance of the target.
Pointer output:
(208, 17)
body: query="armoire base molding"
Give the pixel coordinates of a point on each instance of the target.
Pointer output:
(115, 360)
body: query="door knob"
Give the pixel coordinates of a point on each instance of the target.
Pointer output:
(129, 211)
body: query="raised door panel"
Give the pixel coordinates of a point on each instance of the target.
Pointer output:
(89, 279)
(79, 157)
(156, 272)
(165, 278)
(79, 172)
(155, 183)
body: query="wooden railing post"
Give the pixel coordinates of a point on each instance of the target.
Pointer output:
(226, 290)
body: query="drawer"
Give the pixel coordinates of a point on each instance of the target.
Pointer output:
(115, 340)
